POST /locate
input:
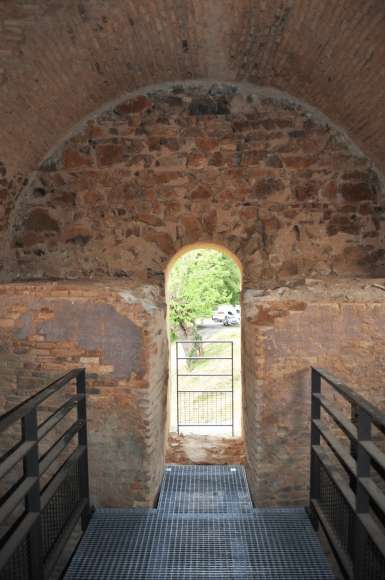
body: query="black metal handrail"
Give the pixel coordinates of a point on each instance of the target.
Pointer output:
(351, 510)
(32, 544)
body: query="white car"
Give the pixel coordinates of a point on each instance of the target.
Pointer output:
(231, 318)
(221, 311)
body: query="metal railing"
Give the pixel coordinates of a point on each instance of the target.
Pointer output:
(347, 483)
(48, 500)
(205, 407)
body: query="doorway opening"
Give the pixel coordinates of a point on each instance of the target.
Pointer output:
(204, 325)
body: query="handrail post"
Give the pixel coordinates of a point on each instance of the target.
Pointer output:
(354, 411)
(315, 439)
(82, 437)
(364, 423)
(32, 499)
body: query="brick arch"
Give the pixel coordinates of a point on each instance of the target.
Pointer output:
(253, 170)
(61, 60)
(202, 246)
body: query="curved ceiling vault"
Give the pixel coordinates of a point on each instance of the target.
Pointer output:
(59, 61)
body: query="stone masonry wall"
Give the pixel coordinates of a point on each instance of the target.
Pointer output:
(255, 172)
(119, 334)
(340, 327)
(258, 173)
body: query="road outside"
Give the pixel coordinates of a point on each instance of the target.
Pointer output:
(212, 331)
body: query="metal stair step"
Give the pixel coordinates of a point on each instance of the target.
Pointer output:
(204, 488)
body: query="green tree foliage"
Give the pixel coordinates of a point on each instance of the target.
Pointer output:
(200, 281)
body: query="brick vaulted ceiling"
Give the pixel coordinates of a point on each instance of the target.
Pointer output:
(62, 59)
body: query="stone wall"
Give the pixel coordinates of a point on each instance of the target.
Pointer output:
(119, 334)
(253, 171)
(340, 327)
(260, 174)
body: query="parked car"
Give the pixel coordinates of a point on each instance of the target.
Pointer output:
(231, 318)
(221, 311)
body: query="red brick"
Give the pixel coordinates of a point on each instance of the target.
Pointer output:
(357, 191)
(74, 159)
(108, 154)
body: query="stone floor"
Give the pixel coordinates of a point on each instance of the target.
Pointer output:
(204, 450)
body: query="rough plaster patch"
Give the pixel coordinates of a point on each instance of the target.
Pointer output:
(94, 327)
(325, 320)
(130, 298)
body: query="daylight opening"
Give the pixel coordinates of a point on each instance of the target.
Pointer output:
(204, 323)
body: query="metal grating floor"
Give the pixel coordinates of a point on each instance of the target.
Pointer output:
(204, 489)
(174, 544)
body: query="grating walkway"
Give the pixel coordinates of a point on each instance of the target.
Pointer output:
(181, 541)
(204, 489)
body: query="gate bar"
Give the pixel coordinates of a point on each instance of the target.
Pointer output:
(204, 375)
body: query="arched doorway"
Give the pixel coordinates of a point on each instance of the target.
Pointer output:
(203, 288)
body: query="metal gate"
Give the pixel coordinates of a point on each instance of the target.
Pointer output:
(200, 401)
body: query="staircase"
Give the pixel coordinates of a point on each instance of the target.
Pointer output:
(204, 527)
